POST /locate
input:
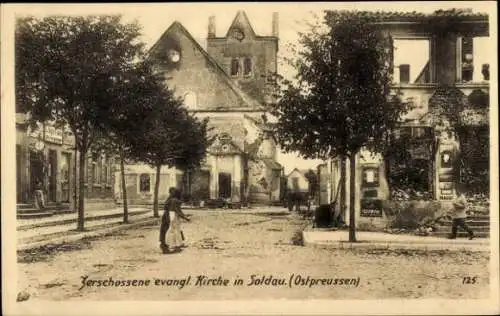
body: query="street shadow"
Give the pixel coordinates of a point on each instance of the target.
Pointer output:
(47, 252)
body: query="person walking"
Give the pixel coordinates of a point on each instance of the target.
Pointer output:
(459, 214)
(165, 220)
(175, 238)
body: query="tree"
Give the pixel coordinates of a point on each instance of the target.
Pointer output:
(312, 178)
(132, 94)
(169, 135)
(65, 67)
(342, 91)
(192, 150)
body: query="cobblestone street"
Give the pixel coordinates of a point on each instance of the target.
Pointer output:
(233, 245)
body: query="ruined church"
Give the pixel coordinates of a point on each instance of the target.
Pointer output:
(230, 82)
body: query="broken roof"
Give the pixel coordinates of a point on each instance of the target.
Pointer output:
(396, 16)
(177, 26)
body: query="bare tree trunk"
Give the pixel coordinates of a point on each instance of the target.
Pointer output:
(246, 189)
(75, 179)
(387, 166)
(188, 185)
(343, 183)
(124, 187)
(157, 189)
(81, 191)
(352, 200)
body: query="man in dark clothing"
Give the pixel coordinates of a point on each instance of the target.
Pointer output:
(165, 220)
(459, 214)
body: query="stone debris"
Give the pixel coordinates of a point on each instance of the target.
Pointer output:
(23, 296)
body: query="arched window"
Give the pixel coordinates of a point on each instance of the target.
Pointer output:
(144, 182)
(247, 67)
(190, 100)
(235, 67)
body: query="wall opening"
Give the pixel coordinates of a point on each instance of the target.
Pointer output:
(473, 59)
(144, 182)
(224, 185)
(235, 67)
(247, 67)
(190, 100)
(411, 61)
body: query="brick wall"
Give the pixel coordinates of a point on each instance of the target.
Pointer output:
(195, 74)
(263, 53)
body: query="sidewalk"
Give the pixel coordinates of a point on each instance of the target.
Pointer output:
(339, 239)
(37, 232)
(90, 215)
(71, 235)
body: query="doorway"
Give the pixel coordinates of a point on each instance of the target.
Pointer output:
(65, 172)
(36, 172)
(224, 185)
(52, 172)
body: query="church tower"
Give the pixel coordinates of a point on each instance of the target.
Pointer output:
(249, 59)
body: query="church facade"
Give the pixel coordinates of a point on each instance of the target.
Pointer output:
(230, 83)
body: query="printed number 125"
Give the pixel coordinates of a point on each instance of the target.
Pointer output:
(469, 280)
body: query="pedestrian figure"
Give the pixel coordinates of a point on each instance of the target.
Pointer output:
(39, 196)
(175, 239)
(459, 213)
(165, 220)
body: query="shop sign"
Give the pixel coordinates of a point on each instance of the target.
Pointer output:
(446, 185)
(370, 177)
(371, 208)
(53, 135)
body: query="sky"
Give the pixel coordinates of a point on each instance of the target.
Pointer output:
(156, 18)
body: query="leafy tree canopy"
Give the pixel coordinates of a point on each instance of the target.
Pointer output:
(340, 100)
(65, 67)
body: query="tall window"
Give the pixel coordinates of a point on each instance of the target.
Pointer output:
(111, 165)
(94, 172)
(411, 61)
(247, 67)
(105, 171)
(96, 176)
(144, 182)
(235, 67)
(190, 100)
(99, 169)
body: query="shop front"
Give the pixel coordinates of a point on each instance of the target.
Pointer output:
(44, 157)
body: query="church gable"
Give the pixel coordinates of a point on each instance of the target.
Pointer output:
(194, 75)
(224, 145)
(240, 28)
(248, 59)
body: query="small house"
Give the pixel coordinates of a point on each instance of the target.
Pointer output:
(296, 181)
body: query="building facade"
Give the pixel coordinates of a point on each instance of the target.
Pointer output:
(46, 160)
(448, 118)
(230, 83)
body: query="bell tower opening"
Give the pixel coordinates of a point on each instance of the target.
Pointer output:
(248, 58)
